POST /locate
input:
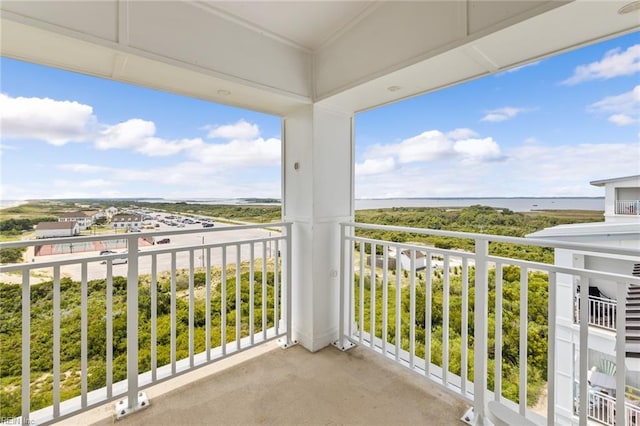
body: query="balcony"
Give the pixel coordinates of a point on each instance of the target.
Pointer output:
(602, 312)
(627, 207)
(173, 298)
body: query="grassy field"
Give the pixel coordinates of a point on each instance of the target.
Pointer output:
(37, 209)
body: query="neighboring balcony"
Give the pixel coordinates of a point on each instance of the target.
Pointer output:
(473, 322)
(602, 312)
(602, 409)
(627, 207)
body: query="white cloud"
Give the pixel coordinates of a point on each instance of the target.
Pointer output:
(461, 134)
(528, 170)
(241, 130)
(56, 122)
(258, 152)
(478, 149)
(625, 108)
(429, 147)
(374, 166)
(615, 63)
(622, 119)
(139, 135)
(502, 114)
(82, 168)
(570, 165)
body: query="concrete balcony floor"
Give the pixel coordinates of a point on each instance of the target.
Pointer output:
(272, 386)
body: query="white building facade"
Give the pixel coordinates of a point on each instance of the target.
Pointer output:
(126, 221)
(83, 219)
(57, 229)
(620, 229)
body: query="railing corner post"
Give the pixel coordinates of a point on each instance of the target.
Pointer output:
(342, 343)
(135, 400)
(480, 331)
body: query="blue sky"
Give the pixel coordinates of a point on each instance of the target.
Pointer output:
(545, 129)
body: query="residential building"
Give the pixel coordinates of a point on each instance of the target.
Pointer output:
(83, 219)
(126, 221)
(110, 212)
(327, 61)
(57, 229)
(621, 228)
(623, 198)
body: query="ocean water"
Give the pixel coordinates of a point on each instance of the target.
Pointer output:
(5, 204)
(515, 204)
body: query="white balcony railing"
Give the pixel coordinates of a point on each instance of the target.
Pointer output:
(438, 321)
(602, 312)
(449, 306)
(249, 277)
(602, 408)
(628, 207)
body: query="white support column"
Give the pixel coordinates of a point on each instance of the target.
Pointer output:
(318, 195)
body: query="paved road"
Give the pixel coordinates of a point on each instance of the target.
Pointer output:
(97, 270)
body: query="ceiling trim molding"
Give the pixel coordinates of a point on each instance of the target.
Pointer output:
(209, 8)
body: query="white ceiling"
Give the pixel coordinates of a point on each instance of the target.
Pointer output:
(275, 56)
(305, 24)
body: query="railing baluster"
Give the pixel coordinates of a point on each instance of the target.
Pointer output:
(132, 322)
(109, 331)
(341, 319)
(238, 297)
(207, 306)
(412, 311)
(372, 293)
(56, 341)
(551, 350)
(620, 354)
(584, 336)
(264, 290)
(173, 312)
(191, 308)
(445, 320)
(276, 288)
(524, 321)
(497, 390)
(398, 327)
(251, 292)
(385, 299)
(83, 334)
(26, 346)
(427, 315)
(154, 317)
(223, 301)
(351, 300)
(464, 338)
(361, 298)
(286, 280)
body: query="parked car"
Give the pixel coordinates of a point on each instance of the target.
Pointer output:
(118, 261)
(103, 252)
(163, 241)
(207, 225)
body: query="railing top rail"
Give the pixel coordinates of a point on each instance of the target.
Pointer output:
(602, 299)
(622, 278)
(501, 238)
(155, 251)
(107, 237)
